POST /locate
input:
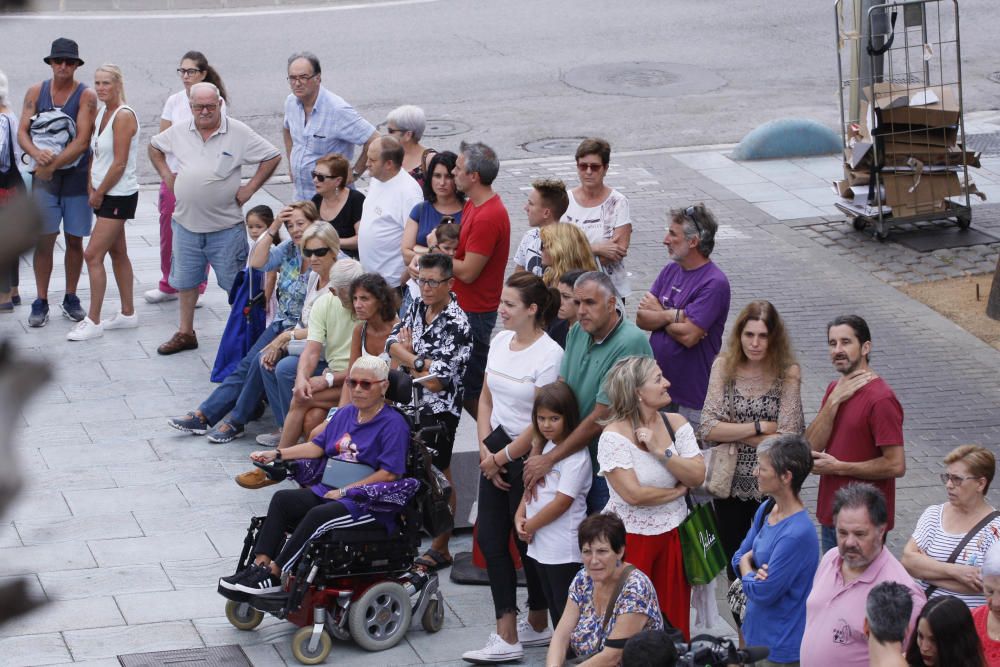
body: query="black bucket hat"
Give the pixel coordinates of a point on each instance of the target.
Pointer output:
(64, 48)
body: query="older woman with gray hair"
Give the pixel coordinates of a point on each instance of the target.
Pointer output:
(407, 124)
(778, 558)
(650, 460)
(11, 184)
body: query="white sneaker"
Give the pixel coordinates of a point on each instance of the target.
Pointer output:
(156, 296)
(495, 651)
(85, 330)
(120, 321)
(529, 637)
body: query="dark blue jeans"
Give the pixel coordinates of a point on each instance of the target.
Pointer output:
(598, 496)
(243, 390)
(482, 326)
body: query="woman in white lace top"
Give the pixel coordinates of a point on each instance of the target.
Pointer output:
(650, 460)
(753, 393)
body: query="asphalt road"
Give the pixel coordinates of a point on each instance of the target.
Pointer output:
(644, 74)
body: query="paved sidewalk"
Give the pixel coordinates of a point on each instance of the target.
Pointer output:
(125, 524)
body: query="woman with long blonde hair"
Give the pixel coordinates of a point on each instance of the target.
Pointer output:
(564, 248)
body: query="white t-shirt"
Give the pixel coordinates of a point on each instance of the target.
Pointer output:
(599, 223)
(617, 451)
(380, 232)
(529, 252)
(513, 378)
(177, 110)
(556, 542)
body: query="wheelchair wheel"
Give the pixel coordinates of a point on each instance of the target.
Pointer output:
(380, 617)
(300, 646)
(433, 618)
(242, 616)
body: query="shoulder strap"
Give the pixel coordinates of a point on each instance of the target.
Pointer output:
(670, 429)
(44, 101)
(965, 541)
(613, 600)
(768, 506)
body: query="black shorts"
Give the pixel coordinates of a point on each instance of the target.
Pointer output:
(118, 207)
(444, 441)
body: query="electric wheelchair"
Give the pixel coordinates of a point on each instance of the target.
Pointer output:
(361, 584)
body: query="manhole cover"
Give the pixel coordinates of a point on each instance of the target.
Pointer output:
(994, 77)
(554, 145)
(443, 127)
(642, 79)
(988, 144)
(926, 240)
(216, 656)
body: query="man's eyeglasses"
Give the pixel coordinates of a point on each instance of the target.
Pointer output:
(364, 385)
(589, 166)
(691, 214)
(433, 284)
(301, 78)
(188, 71)
(198, 108)
(956, 480)
(315, 252)
(320, 177)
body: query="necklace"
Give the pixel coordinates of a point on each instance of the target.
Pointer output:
(364, 420)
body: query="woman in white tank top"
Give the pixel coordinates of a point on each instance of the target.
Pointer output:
(114, 193)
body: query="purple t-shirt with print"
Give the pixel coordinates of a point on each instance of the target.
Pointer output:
(703, 295)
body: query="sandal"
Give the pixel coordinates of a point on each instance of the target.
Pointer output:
(433, 560)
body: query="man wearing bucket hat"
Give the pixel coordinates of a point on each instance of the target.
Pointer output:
(60, 176)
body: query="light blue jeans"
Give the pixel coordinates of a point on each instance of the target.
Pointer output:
(242, 390)
(279, 384)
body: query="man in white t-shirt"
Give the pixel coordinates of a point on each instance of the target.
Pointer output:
(391, 196)
(547, 202)
(601, 212)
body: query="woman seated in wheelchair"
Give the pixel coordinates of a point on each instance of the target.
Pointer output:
(364, 432)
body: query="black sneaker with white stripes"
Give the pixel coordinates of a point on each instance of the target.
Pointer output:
(260, 580)
(233, 579)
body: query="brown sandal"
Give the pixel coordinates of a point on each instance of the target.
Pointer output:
(254, 479)
(179, 343)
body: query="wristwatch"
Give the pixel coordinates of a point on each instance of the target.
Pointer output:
(330, 379)
(418, 364)
(668, 453)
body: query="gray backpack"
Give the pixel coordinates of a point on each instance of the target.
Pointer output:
(52, 130)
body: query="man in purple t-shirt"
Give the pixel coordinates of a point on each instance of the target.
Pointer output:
(686, 309)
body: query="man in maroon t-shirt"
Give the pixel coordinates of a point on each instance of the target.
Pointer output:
(481, 257)
(858, 433)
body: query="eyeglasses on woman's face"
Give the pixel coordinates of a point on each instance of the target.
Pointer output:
(955, 480)
(188, 71)
(363, 385)
(590, 166)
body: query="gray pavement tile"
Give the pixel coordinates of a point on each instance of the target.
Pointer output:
(157, 521)
(34, 650)
(171, 444)
(9, 536)
(168, 472)
(789, 210)
(228, 541)
(45, 434)
(199, 574)
(733, 175)
(131, 550)
(175, 365)
(93, 612)
(38, 504)
(761, 192)
(109, 501)
(84, 456)
(132, 388)
(216, 631)
(78, 528)
(34, 587)
(76, 584)
(108, 642)
(69, 480)
(100, 662)
(179, 605)
(77, 411)
(155, 406)
(265, 655)
(29, 560)
(348, 654)
(223, 491)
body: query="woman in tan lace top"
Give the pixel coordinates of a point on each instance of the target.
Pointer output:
(753, 393)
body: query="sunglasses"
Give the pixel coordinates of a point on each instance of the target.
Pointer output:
(63, 61)
(690, 213)
(317, 252)
(198, 108)
(589, 166)
(364, 385)
(321, 177)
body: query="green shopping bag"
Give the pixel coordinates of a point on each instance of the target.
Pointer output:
(704, 557)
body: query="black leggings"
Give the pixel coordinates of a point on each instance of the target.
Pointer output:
(556, 580)
(734, 518)
(309, 515)
(493, 530)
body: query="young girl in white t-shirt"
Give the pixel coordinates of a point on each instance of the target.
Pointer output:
(549, 522)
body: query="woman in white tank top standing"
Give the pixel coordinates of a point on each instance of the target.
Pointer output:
(114, 193)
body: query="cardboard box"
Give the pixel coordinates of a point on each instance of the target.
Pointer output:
(929, 106)
(908, 196)
(856, 176)
(944, 137)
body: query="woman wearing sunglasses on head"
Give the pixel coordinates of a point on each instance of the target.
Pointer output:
(338, 204)
(946, 552)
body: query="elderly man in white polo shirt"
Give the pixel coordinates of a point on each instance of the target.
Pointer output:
(391, 196)
(208, 220)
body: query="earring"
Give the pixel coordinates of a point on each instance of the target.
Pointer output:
(619, 564)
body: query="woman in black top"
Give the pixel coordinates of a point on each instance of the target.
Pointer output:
(338, 204)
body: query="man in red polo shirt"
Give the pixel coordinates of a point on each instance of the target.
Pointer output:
(483, 247)
(858, 433)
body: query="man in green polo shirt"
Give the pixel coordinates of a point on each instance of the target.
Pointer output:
(600, 337)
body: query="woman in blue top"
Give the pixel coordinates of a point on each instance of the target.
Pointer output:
(441, 197)
(366, 431)
(779, 556)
